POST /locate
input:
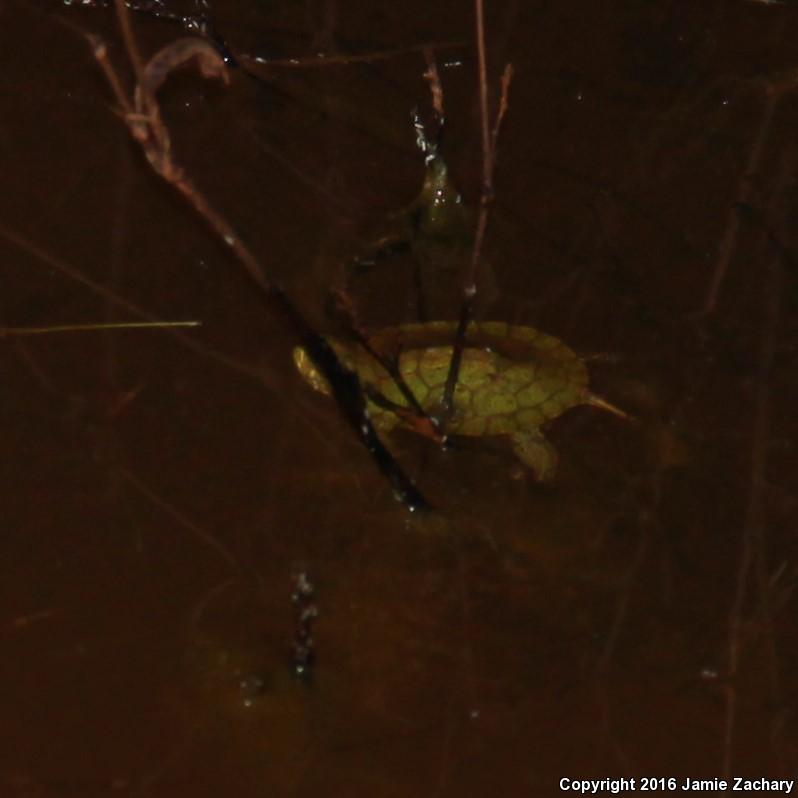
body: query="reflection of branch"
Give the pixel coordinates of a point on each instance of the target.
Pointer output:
(173, 512)
(143, 118)
(752, 548)
(729, 239)
(488, 162)
(774, 90)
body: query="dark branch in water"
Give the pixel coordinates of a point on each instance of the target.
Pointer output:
(143, 117)
(414, 414)
(489, 140)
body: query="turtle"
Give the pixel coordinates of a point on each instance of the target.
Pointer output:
(513, 379)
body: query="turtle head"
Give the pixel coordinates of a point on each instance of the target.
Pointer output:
(307, 368)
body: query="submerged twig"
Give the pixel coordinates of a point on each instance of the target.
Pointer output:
(143, 118)
(489, 141)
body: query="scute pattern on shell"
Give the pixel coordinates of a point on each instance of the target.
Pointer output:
(512, 378)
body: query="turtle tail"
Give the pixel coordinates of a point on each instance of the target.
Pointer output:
(603, 404)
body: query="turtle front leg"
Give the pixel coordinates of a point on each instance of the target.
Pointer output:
(535, 452)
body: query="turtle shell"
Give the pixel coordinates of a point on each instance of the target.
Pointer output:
(512, 378)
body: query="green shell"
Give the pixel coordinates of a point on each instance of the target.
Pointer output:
(512, 378)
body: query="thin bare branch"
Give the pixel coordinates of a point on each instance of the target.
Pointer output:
(100, 52)
(146, 127)
(433, 78)
(343, 59)
(506, 80)
(123, 16)
(487, 152)
(489, 142)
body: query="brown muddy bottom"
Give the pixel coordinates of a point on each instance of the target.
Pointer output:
(634, 617)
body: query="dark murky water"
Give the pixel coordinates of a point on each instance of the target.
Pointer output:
(634, 618)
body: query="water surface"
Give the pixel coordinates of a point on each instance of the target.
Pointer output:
(636, 617)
